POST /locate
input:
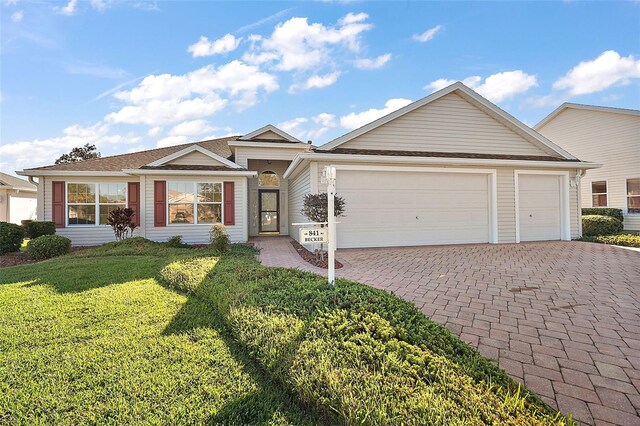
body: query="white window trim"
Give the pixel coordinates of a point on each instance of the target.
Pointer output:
(195, 204)
(96, 203)
(565, 204)
(606, 182)
(626, 197)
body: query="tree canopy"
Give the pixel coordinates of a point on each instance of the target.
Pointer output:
(86, 152)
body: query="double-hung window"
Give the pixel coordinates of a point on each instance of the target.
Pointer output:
(599, 194)
(194, 202)
(633, 196)
(91, 203)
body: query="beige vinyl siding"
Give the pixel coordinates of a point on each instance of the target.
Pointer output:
(243, 154)
(269, 135)
(609, 138)
(299, 186)
(82, 235)
(197, 234)
(279, 167)
(448, 124)
(196, 158)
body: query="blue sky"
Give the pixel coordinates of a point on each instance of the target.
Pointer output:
(131, 75)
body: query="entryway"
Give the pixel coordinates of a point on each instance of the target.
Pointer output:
(269, 210)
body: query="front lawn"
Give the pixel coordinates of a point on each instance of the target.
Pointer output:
(94, 337)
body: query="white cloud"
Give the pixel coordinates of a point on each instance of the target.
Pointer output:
(607, 70)
(204, 47)
(171, 140)
(93, 70)
(326, 119)
(100, 5)
(262, 21)
(369, 64)
(497, 87)
(355, 120)
(17, 16)
(316, 82)
(427, 35)
(154, 131)
(167, 98)
(310, 128)
(293, 126)
(69, 9)
(191, 128)
(296, 45)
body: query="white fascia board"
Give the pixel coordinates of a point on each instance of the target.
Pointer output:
(28, 172)
(279, 145)
(565, 165)
(272, 128)
(190, 172)
(191, 149)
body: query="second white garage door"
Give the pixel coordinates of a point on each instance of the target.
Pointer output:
(386, 209)
(540, 207)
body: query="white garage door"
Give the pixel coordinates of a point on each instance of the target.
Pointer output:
(412, 208)
(539, 207)
(21, 208)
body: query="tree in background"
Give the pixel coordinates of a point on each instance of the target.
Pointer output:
(86, 152)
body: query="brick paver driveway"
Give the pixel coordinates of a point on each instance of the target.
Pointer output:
(562, 317)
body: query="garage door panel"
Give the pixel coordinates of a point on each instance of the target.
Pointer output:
(539, 207)
(395, 209)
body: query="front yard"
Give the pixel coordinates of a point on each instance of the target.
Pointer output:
(93, 337)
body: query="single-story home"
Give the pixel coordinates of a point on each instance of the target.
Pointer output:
(18, 199)
(450, 168)
(612, 137)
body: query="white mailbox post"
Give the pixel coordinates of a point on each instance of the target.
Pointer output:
(329, 173)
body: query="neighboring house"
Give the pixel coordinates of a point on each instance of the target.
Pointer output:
(17, 199)
(610, 136)
(449, 168)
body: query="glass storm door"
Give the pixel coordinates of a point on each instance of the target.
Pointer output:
(269, 206)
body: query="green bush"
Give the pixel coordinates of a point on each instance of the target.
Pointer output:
(176, 242)
(219, 239)
(626, 240)
(603, 211)
(187, 274)
(593, 225)
(37, 229)
(48, 246)
(11, 236)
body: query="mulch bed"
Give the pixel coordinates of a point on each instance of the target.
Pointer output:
(23, 258)
(311, 257)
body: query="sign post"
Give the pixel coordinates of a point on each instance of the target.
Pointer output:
(330, 174)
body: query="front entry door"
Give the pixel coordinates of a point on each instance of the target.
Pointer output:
(269, 206)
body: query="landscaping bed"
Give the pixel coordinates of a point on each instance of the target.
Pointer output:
(311, 258)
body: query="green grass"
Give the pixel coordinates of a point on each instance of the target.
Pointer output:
(102, 336)
(93, 338)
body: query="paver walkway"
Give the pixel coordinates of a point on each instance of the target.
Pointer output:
(562, 317)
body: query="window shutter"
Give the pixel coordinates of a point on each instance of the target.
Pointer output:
(229, 203)
(159, 203)
(133, 193)
(58, 201)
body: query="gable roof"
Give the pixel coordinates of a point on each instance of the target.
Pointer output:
(567, 105)
(12, 182)
(269, 128)
(137, 160)
(472, 97)
(192, 148)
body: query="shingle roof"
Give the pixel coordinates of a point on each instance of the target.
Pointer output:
(442, 154)
(15, 182)
(136, 160)
(189, 167)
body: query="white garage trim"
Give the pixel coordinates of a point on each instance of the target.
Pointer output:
(565, 215)
(491, 176)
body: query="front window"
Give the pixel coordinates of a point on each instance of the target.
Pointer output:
(191, 202)
(268, 179)
(90, 203)
(633, 195)
(599, 193)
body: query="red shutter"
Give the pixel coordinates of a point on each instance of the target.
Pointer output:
(58, 199)
(229, 204)
(133, 191)
(159, 203)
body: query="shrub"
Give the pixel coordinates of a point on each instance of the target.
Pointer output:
(176, 242)
(593, 225)
(121, 221)
(602, 211)
(37, 229)
(626, 240)
(219, 239)
(25, 224)
(11, 236)
(48, 246)
(187, 274)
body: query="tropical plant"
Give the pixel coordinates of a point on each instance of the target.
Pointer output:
(315, 208)
(121, 220)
